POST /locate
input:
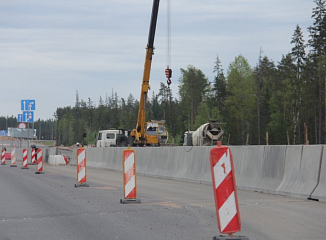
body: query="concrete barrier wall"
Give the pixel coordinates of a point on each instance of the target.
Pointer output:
(183, 164)
(237, 160)
(309, 172)
(271, 174)
(251, 167)
(200, 158)
(287, 170)
(320, 191)
(291, 170)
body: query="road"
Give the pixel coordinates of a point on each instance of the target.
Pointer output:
(48, 206)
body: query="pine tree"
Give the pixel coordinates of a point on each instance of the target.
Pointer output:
(317, 42)
(317, 35)
(264, 76)
(193, 88)
(298, 56)
(219, 86)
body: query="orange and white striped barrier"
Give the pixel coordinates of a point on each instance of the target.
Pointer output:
(225, 192)
(25, 157)
(3, 157)
(81, 168)
(129, 177)
(13, 158)
(33, 156)
(39, 162)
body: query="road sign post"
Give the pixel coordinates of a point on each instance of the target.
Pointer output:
(27, 106)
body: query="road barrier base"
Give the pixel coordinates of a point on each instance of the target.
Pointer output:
(221, 237)
(13, 165)
(3, 164)
(127, 201)
(32, 164)
(81, 185)
(39, 172)
(24, 167)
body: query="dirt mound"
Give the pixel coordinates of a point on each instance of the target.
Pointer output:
(6, 138)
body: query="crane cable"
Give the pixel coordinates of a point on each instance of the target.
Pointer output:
(168, 70)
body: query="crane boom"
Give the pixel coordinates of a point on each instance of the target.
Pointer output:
(139, 134)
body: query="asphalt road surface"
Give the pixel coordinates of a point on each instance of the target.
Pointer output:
(48, 206)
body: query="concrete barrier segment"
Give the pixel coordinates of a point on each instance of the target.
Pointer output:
(272, 169)
(291, 170)
(161, 161)
(320, 191)
(237, 160)
(151, 157)
(74, 156)
(198, 168)
(142, 160)
(309, 172)
(251, 167)
(93, 156)
(174, 156)
(114, 158)
(184, 163)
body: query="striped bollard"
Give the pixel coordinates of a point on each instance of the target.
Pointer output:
(25, 157)
(81, 168)
(13, 158)
(39, 162)
(225, 193)
(3, 157)
(33, 157)
(129, 177)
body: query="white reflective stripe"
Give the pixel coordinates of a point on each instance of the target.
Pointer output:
(129, 162)
(39, 155)
(220, 172)
(81, 174)
(227, 211)
(130, 186)
(39, 166)
(81, 157)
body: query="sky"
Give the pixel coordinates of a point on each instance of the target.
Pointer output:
(49, 50)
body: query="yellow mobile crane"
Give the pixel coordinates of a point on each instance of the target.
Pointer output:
(153, 132)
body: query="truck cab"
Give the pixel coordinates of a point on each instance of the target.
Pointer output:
(112, 138)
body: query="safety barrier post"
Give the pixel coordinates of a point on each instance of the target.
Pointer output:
(25, 163)
(39, 162)
(3, 157)
(13, 158)
(129, 177)
(81, 168)
(225, 193)
(33, 157)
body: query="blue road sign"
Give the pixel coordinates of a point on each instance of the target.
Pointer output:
(28, 116)
(27, 105)
(20, 118)
(3, 132)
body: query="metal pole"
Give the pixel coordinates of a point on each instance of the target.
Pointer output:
(28, 129)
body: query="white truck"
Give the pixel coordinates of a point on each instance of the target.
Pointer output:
(112, 138)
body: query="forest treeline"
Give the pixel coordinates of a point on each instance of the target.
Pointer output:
(275, 100)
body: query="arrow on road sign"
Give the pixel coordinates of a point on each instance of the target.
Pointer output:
(28, 105)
